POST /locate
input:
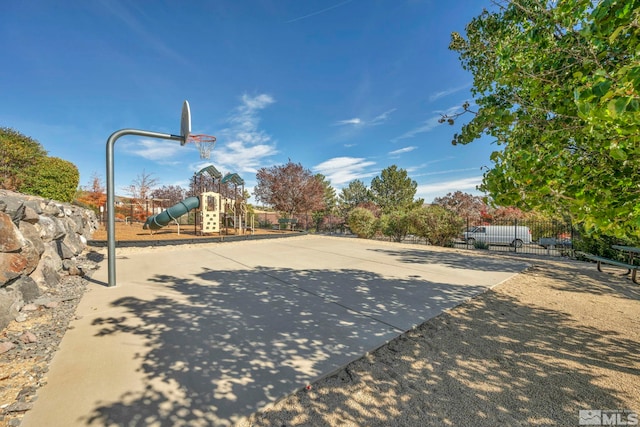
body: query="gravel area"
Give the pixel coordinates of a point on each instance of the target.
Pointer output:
(33, 340)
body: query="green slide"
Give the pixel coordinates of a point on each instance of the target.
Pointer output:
(160, 220)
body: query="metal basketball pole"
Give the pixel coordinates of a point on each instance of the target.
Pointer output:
(111, 214)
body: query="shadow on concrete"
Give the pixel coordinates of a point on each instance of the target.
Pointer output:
(458, 261)
(95, 256)
(234, 341)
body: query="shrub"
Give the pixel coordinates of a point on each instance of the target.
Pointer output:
(480, 245)
(362, 222)
(438, 225)
(264, 223)
(601, 245)
(51, 178)
(17, 154)
(395, 225)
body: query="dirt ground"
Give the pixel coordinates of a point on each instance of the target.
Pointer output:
(134, 232)
(556, 339)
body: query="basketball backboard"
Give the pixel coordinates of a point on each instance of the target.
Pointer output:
(185, 123)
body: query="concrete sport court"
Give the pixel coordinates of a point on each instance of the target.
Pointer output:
(208, 334)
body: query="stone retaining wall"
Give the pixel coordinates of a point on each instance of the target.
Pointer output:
(40, 240)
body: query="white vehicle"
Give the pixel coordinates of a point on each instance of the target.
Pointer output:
(499, 235)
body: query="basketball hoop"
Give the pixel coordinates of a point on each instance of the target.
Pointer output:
(205, 144)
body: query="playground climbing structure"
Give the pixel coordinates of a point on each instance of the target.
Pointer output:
(214, 211)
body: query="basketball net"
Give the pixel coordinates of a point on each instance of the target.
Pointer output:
(204, 143)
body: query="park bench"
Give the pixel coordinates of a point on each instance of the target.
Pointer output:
(631, 268)
(630, 250)
(287, 223)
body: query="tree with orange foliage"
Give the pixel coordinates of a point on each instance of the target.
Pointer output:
(93, 195)
(508, 213)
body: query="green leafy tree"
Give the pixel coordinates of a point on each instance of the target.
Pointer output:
(393, 190)
(251, 210)
(362, 222)
(354, 194)
(51, 178)
(556, 84)
(437, 224)
(17, 154)
(329, 202)
(601, 245)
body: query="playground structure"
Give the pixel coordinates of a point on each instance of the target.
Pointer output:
(216, 211)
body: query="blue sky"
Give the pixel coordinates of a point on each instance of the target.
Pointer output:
(346, 88)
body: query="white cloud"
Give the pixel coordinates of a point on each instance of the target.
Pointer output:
(448, 92)
(238, 157)
(438, 189)
(444, 172)
(402, 150)
(428, 163)
(357, 121)
(354, 121)
(318, 12)
(160, 151)
(378, 120)
(243, 146)
(342, 170)
(423, 128)
(256, 103)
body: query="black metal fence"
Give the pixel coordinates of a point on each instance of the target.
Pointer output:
(550, 238)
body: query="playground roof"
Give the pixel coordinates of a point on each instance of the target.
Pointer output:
(234, 178)
(211, 170)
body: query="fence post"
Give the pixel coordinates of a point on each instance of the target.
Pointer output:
(466, 242)
(515, 235)
(573, 240)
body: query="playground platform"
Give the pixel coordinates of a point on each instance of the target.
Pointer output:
(208, 334)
